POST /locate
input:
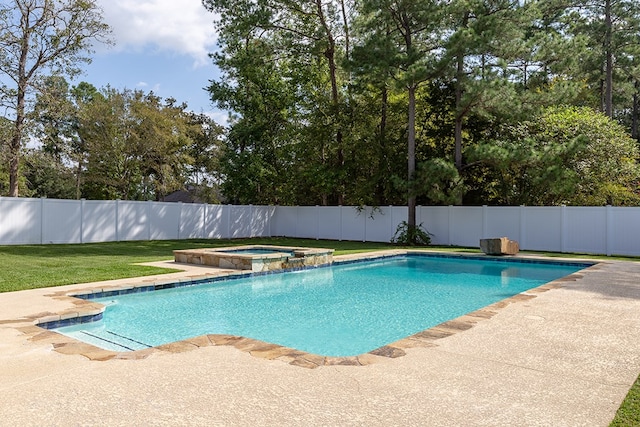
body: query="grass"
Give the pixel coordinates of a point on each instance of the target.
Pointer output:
(629, 412)
(39, 266)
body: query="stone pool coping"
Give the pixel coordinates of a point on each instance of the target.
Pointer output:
(85, 308)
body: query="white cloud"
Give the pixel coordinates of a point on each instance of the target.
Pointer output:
(220, 117)
(178, 26)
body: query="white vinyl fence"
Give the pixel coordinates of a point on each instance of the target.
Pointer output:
(599, 230)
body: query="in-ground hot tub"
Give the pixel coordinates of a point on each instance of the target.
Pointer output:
(256, 258)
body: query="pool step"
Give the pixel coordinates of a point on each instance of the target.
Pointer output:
(109, 340)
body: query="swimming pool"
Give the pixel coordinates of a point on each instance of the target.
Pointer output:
(342, 310)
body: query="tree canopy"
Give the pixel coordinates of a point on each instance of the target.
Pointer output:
(39, 35)
(372, 102)
(378, 101)
(119, 144)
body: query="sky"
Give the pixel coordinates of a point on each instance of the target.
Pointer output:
(160, 46)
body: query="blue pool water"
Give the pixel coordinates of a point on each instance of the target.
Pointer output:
(343, 310)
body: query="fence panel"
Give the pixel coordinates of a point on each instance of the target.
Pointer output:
(352, 224)
(164, 220)
(308, 222)
(261, 221)
(133, 220)
(465, 227)
(378, 224)
(99, 221)
(398, 214)
(329, 226)
(435, 220)
(501, 222)
(192, 220)
(239, 221)
(20, 221)
(585, 229)
(216, 222)
(542, 229)
(285, 223)
(624, 231)
(601, 230)
(62, 221)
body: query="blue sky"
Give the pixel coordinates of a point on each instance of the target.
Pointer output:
(160, 46)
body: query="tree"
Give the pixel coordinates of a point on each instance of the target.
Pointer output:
(486, 37)
(286, 89)
(134, 145)
(45, 176)
(205, 151)
(567, 155)
(53, 116)
(39, 35)
(5, 132)
(365, 102)
(406, 39)
(609, 30)
(82, 96)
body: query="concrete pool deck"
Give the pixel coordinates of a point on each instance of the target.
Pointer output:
(564, 357)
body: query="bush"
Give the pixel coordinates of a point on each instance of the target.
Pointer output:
(407, 235)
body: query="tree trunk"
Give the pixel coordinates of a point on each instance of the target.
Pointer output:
(383, 116)
(16, 140)
(459, 110)
(14, 154)
(330, 55)
(411, 163)
(459, 114)
(78, 180)
(608, 84)
(635, 112)
(347, 38)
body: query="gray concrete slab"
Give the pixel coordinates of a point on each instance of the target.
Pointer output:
(564, 358)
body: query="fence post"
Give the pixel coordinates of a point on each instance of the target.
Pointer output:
(449, 224)
(203, 224)
(563, 228)
(318, 222)
(82, 220)
(364, 233)
(340, 236)
(485, 221)
(179, 218)
(391, 224)
(295, 225)
(523, 227)
(117, 220)
(148, 219)
(42, 216)
(609, 230)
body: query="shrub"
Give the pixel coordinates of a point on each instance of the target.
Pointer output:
(407, 235)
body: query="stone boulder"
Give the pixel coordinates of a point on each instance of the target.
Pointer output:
(499, 246)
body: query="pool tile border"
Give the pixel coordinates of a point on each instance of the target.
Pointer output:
(85, 310)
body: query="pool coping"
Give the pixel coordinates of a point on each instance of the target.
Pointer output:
(86, 308)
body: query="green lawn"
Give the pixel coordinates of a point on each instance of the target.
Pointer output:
(628, 414)
(39, 266)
